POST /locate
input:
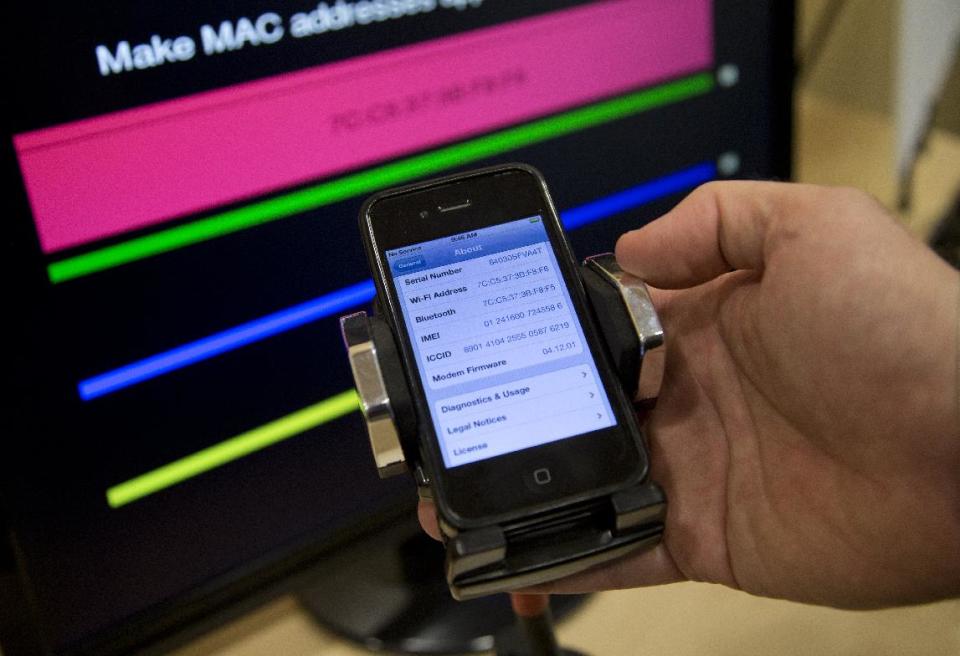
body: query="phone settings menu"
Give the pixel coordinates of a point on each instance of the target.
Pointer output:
(500, 351)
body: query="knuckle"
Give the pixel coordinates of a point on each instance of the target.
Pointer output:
(858, 199)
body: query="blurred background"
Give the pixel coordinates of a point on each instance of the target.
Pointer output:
(854, 72)
(876, 106)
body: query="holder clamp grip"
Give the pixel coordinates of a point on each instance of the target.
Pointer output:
(555, 544)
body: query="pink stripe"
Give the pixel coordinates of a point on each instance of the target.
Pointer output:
(103, 176)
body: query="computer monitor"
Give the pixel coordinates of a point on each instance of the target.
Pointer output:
(182, 183)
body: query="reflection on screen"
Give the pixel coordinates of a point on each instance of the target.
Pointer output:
(500, 349)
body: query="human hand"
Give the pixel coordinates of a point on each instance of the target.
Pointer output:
(807, 433)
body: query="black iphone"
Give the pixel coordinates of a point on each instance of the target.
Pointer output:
(520, 412)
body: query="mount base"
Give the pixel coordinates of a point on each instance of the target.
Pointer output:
(387, 593)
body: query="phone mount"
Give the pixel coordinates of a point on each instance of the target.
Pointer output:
(552, 544)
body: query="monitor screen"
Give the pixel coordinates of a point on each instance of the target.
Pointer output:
(182, 182)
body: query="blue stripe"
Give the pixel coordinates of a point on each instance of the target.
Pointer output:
(640, 195)
(358, 294)
(228, 340)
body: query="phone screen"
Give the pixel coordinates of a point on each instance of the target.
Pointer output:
(499, 348)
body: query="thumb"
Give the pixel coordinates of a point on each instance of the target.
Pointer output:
(719, 227)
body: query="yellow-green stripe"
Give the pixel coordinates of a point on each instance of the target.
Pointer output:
(233, 448)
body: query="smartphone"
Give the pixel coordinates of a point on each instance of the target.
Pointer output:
(519, 410)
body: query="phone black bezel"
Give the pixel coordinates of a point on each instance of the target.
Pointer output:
(498, 489)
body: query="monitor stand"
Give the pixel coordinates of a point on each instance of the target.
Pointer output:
(387, 592)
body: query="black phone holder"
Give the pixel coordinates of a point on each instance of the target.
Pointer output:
(568, 538)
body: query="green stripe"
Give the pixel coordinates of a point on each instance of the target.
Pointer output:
(379, 177)
(233, 448)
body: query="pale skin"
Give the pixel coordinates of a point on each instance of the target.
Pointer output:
(808, 430)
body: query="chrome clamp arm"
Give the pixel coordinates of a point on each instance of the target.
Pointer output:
(374, 398)
(651, 345)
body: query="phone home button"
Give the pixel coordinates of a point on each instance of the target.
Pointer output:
(540, 479)
(541, 476)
